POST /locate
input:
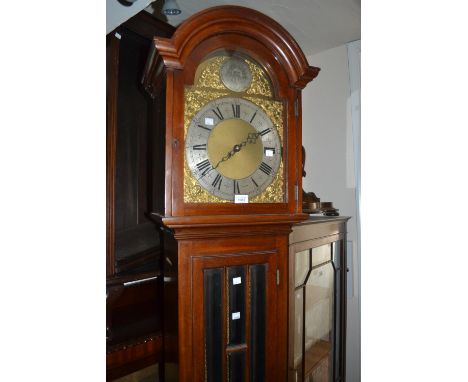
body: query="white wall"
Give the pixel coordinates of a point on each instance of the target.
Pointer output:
(328, 140)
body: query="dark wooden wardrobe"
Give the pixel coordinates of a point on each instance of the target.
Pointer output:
(134, 148)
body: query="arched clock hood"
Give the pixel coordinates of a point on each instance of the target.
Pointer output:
(173, 63)
(238, 23)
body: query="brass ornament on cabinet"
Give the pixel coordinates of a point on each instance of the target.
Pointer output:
(208, 86)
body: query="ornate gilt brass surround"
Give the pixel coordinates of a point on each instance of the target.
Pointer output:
(208, 87)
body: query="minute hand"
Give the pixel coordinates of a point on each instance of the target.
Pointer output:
(251, 138)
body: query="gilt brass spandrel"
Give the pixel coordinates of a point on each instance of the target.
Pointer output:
(195, 99)
(194, 193)
(207, 74)
(273, 109)
(260, 84)
(274, 193)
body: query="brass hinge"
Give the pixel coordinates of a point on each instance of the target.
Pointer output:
(296, 192)
(296, 107)
(277, 276)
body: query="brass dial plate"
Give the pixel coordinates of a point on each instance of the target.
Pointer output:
(209, 87)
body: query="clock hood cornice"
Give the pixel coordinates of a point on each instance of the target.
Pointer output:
(239, 22)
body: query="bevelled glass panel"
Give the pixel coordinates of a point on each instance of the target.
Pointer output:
(302, 266)
(236, 366)
(236, 304)
(298, 332)
(257, 321)
(214, 349)
(321, 254)
(319, 321)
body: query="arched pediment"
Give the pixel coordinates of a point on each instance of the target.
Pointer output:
(231, 23)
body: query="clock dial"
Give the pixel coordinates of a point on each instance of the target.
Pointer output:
(232, 148)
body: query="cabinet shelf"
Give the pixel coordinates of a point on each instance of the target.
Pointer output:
(317, 355)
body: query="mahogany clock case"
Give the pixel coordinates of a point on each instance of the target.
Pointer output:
(226, 264)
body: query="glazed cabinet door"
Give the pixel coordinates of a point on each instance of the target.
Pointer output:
(234, 322)
(317, 313)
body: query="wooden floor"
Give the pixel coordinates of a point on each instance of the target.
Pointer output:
(316, 366)
(149, 374)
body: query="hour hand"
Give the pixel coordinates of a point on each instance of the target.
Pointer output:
(230, 154)
(251, 138)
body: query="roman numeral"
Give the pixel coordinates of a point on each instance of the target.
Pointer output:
(217, 181)
(204, 127)
(266, 131)
(204, 166)
(199, 147)
(254, 182)
(265, 168)
(251, 119)
(218, 114)
(236, 187)
(236, 110)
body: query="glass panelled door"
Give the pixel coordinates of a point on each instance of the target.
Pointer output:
(236, 303)
(317, 314)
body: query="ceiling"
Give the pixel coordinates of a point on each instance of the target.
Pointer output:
(316, 25)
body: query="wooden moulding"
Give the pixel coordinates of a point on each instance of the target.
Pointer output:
(324, 227)
(111, 143)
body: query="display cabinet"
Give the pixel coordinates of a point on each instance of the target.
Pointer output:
(317, 300)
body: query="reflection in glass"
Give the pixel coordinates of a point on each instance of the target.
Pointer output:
(213, 279)
(236, 366)
(321, 254)
(302, 267)
(319, 324)
(298, 332)
(257, 322)
(236, 303)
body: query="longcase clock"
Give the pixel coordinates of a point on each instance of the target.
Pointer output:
(233, 80)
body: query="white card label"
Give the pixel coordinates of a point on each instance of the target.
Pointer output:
(269, 153)
(241, 198)
(209, 121)
(236, 315)
(236, 280)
